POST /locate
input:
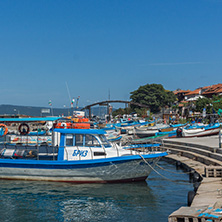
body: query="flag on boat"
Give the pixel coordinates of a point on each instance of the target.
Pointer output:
(50, 103)
(77, 100)
(72, 102)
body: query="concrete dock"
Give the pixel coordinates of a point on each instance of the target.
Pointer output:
(204, 157)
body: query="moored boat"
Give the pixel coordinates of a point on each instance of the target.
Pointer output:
(209, 130)
(142, 132)
(76, 155)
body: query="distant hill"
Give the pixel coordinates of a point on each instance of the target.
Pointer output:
(37, 111)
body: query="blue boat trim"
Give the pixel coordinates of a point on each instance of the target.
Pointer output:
(45, 164)
(115, 139)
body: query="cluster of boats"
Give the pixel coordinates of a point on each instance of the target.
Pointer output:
(152, 129)
(179, 130)
(62, 150)
(75, 150)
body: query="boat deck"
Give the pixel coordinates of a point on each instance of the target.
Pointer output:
(42, 152)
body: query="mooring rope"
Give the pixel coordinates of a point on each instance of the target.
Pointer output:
(173, 181)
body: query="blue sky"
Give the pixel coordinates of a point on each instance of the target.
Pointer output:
(97, 46)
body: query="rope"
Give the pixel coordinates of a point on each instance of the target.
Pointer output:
(173, 181)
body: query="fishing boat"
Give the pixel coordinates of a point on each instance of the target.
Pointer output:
(150, 131)
(113, 136)
(209, 130)
(78, 156)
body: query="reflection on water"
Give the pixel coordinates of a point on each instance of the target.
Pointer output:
(153, 200)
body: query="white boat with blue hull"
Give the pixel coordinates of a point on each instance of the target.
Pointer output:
(76, 155)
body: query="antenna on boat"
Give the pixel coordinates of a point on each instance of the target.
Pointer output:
(108, 106)
(109, 95)
(68, 93)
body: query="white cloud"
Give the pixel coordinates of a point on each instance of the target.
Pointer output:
(173, 63)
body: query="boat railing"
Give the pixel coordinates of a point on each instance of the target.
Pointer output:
(91, 152)
(144, 148)
(24, 151)
(66, 151)
(37, 152)
(77, 147)
(115, 146)
(103, 150)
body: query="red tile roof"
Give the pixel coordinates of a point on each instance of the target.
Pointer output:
(205, 87)
(195, 92)
(214, 89)
(181, 91)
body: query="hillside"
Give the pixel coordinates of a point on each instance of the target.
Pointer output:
(36, 111)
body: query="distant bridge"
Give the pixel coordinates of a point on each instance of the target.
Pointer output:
(107, 102)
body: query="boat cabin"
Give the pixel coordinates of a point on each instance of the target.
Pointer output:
(79, 144)
(67, 144)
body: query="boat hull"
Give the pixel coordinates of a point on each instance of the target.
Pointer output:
(145, 133)
(200, 132)
(110, 170)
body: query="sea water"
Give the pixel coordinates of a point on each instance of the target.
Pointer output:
(152, 200)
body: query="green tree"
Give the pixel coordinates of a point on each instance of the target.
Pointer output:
(121, 111)
(152, 95)
(170, 98)
(217, 102)
(142, 112)
(203, 103)
(210, 104)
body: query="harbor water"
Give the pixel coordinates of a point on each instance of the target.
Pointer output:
(152, 200)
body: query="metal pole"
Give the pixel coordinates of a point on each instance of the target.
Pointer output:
(89, 112)
(52, 110)
(220, 139)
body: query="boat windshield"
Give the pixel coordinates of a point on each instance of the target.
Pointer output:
(87, 140)
(104, 141)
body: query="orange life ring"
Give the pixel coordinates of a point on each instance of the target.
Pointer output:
(6, 129)
(64, 125)
(78, 125)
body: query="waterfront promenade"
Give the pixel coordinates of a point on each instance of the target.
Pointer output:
(201, 156)
(211, 141)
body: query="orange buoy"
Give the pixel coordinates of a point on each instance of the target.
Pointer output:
(5, 129)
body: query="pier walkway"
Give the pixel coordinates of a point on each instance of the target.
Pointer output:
(204, 157)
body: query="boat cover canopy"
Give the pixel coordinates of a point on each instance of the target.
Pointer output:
(31, 119)
(79, 131)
